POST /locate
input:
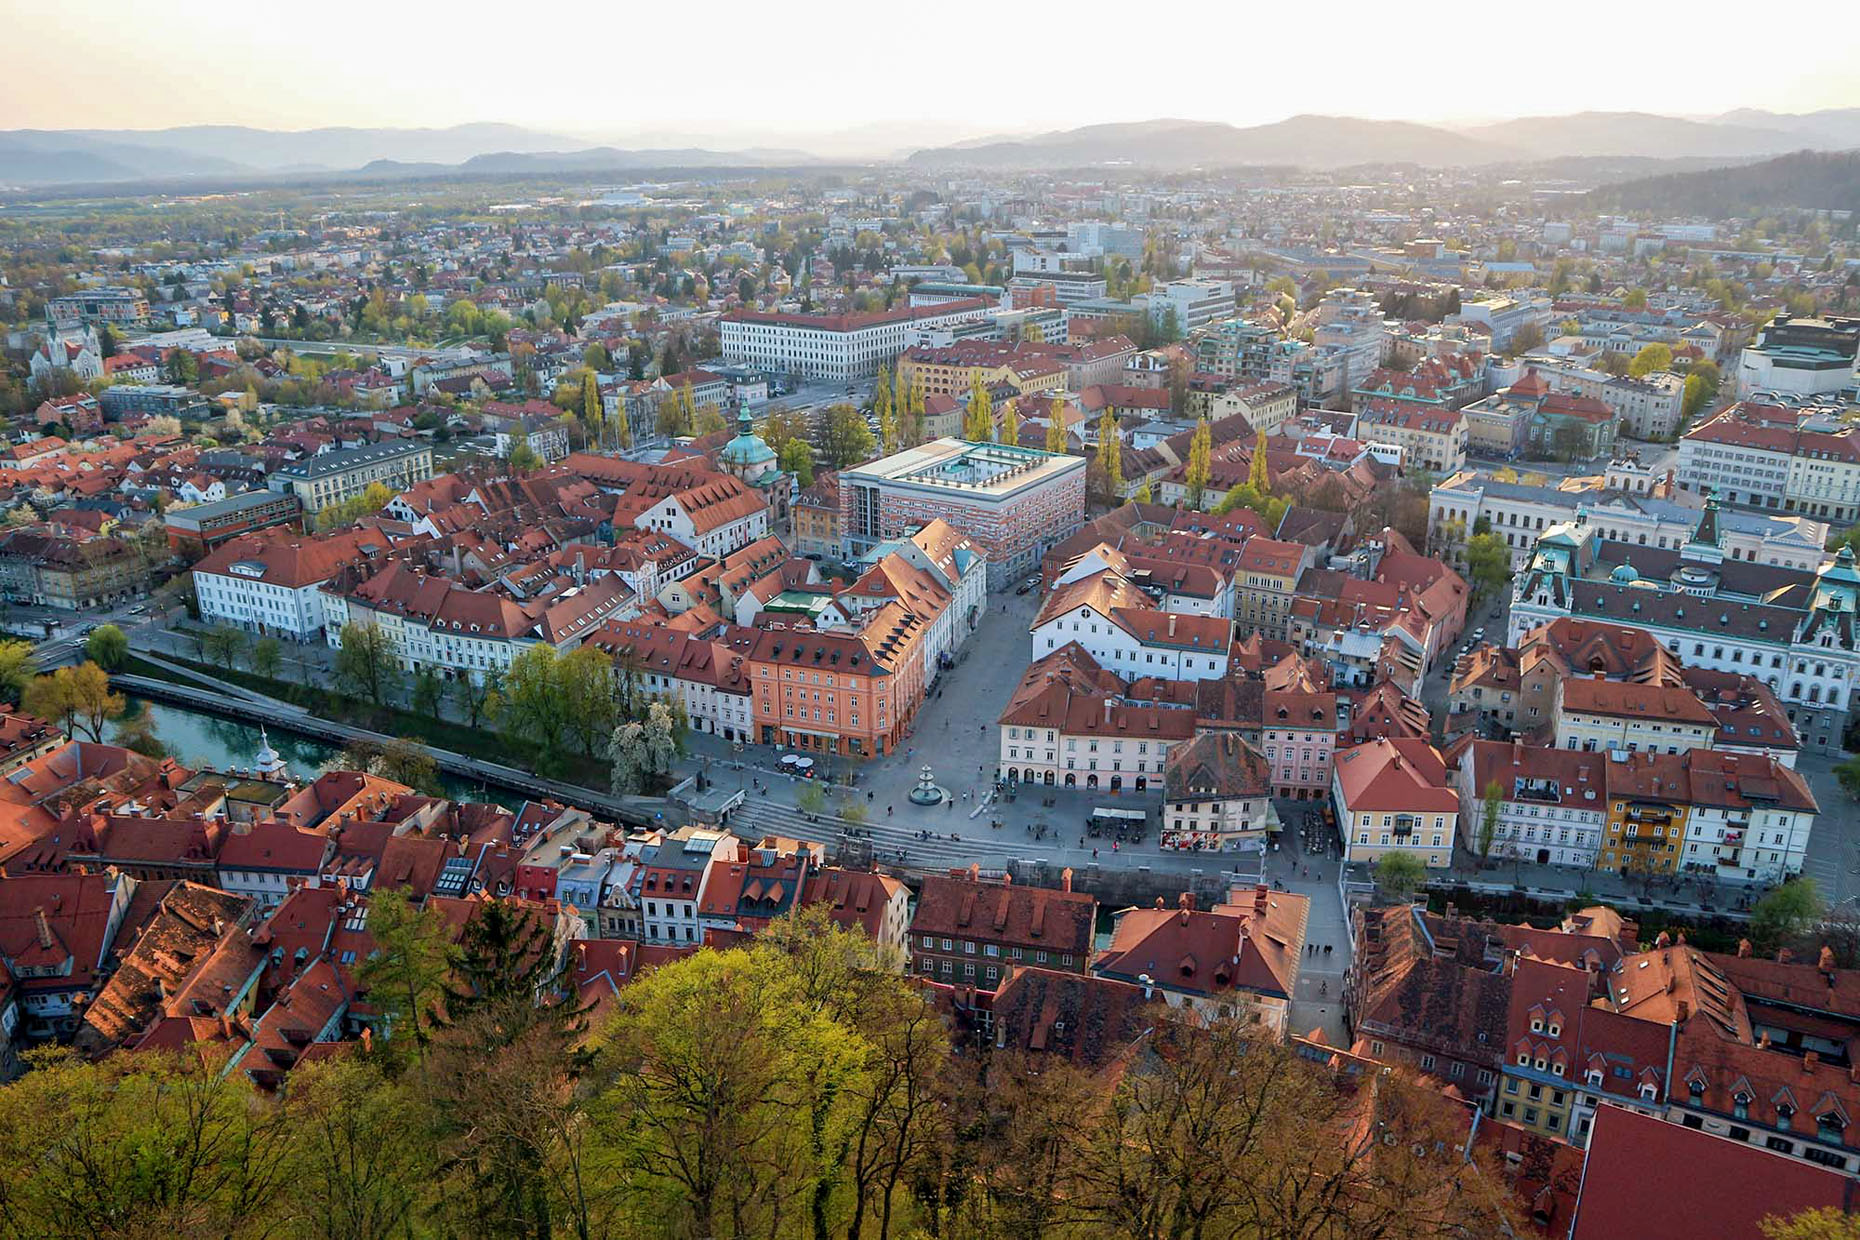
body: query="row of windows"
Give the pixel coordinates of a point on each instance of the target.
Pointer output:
(931, 943)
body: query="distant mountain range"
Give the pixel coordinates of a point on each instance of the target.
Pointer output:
(1340, 141)
(1308, 141)
(1633, 133)
(1804, 179)
(39, 157)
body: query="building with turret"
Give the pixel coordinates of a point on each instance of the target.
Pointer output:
(749, 459)
(1794, 630)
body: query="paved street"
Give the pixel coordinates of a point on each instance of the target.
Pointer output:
(299, 662)
(955, 734)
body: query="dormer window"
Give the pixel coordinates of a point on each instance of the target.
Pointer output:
(1537, 1025)
(1740, 1105)
(1695, 1092)
(1784, 1115)
(1555, 1029)
(1594, 1077)
(1829, 1126)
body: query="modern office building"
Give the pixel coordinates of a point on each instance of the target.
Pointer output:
(1014, 502)
(838, 347)
(198, 530)
(1802, 357)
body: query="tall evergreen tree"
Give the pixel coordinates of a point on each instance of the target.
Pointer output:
(1256, 474)
(887, 411)
(1200, 448)
(622, 432)
(509, 979)
(881, 395)
(915, 434)
(591, 410)
(1056, 426)
(978, 425)
(1110, 457)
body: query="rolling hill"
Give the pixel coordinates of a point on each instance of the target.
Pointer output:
(65, 156)
(1835, 128)
(1311, 141)
(1632, 133)
(1804, 179)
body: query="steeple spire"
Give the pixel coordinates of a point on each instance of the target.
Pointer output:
(1707, 531)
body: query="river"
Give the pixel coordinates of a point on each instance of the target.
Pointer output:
(201, 740)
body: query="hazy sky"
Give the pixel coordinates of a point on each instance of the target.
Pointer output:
(727, 66)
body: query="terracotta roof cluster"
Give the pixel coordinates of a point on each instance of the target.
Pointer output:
(1252, 943)
(1085, 1019)
(1008, 914)
(1069, 692)
(280, 558)
(1636, 1161)
(1216, 766)
(1395, 775)
(1622, 699)
(189, 924)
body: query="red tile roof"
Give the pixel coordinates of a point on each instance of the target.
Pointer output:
(1038, 918)
(1393, 775)
(1650, 1179)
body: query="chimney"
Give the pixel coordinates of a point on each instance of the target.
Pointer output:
(975, 872)
(1171, 624)
(1186, 901)
(45, 927)
(1809, 1060)
(1784, 956)
(1743, 949)
(1065, 879)
(1259, 899)
(1826, 962)
(1517, 752)
(1107, 710)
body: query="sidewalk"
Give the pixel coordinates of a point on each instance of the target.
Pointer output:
(1684, 894)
